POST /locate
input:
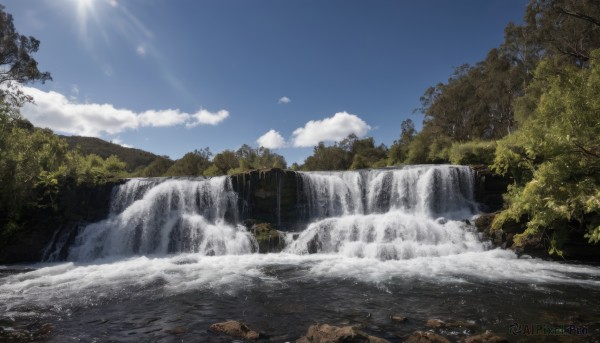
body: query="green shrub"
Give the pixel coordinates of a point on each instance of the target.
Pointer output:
(474, 152)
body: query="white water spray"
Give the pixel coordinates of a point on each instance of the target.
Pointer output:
(167, 216)
(390, 214)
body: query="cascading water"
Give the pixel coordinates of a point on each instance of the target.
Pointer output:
(160, 216)
(385, 214)
(431, 191)
(377, 242)
(390, 214)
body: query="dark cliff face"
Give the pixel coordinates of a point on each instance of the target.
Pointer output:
(76, 205)
(271, 196)
(489, 188)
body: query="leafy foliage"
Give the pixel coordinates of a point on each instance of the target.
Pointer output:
(135, 159)
(473, 152)
(350, 153)
(554, 156)
(17, 65)
(35, 164)
(191, 164)
(398, 152)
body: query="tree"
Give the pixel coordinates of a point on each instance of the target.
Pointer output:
(158, 167)
(569, 28)
(328, 158)
(16, 63)
(398, 152)
(191, 164)
(225, 161)
(555, 158)
(261, 157)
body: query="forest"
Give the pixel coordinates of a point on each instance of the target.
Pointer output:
(529, 111)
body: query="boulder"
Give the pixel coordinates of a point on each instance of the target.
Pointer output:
(398, 318)
(176, 330)
(426, 337)
(324, 333)
(435, 323)
(455, 324)
(268, 238)
(235, 329)
(483, 222)
(486, 337)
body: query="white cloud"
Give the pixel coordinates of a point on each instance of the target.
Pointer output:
(162, 118)
(271, 140)
(113, 3)
(117, 140)
(331, 129)
(204, 117)
(54, 110)
(141, 50)
(284, 100)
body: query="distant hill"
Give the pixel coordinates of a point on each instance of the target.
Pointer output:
(134, 158)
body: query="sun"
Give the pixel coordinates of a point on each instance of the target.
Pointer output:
(84, 9)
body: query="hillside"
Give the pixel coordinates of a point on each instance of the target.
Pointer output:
(134, 158)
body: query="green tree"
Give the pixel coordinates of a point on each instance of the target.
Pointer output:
(398, 152)
(566, 28)
(158, 167)
(191, 164)
(225, 161)
(17, 64)
(554, 157)
(328, 158)
(259, 158)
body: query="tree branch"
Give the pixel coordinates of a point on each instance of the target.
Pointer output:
(586, 151)
(579, 16)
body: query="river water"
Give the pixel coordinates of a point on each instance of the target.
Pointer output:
(172, 258)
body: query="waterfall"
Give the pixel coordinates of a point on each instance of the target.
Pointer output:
(432, 191)
(383, 214)
(160, 216)
(390, 214)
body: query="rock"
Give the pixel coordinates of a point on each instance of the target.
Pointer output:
(486, 337)
(235, 329)
(489, 188)
(435, 323)
(324, 333)
(483, 222)
(176, 330)
(268, 238)
(398, 318)
(440, 324)
(426, 337)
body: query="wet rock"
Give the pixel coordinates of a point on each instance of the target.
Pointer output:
(483, 222)
(486, 337)
(235, 329)
(489, 188)
(268, 238)
(324, 333)
(176, 330)
(435, 323)
(440, 324)
(426, 337)
(398, 318)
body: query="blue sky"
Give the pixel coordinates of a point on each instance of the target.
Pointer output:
(171, 76)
